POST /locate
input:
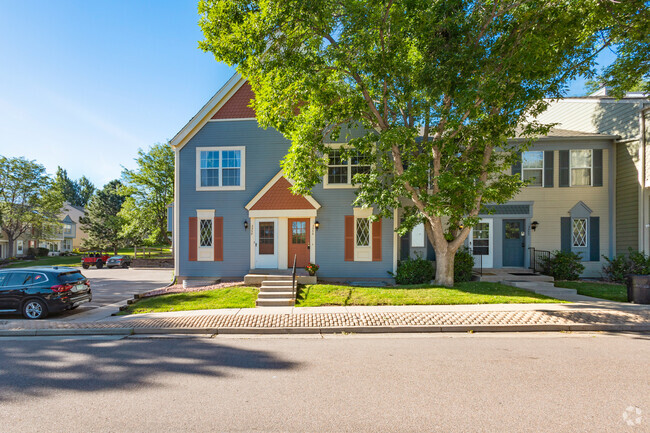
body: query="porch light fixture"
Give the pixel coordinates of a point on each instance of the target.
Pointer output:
(317, 225)
(245, 224)
(534, 225)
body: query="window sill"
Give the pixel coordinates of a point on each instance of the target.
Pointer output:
(221, 188)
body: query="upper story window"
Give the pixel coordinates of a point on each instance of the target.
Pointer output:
(581, 164)
(340, 172)
(532, 167)
(220, 168)
(67, 229)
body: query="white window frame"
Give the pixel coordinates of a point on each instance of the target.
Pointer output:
(67, 228)
(67, 245)
(591, 169)
(242, 169)
(586, 245)
(19, 247)
(543, 167)
(204, 254)
(362, 253)
(349, 183)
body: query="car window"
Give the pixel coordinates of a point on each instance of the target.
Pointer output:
(3, 277)
(16, 279)
(70, 277)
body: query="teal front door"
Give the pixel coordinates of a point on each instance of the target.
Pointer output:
(514, 243)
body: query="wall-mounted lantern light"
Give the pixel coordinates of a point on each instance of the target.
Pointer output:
(534, 225)
(245, 224)
(317, 225)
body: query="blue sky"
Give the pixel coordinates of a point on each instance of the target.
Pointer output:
(84, 84)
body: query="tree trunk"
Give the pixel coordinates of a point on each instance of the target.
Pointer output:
(115, 250)
(445, 269)
(10, 246)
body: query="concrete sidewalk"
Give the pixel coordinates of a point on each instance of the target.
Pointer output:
(601, 316)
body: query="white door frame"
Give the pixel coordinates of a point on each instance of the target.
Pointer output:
(487, 261)
(266, 261)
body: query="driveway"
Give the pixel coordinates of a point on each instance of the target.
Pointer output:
(110, 286)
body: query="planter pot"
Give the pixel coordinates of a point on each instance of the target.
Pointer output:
(311, 274)
(638, 289)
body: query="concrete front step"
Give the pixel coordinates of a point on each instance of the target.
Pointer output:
(274, 302)
(258, 279)
(276, 289)
(275, 295)
(266, 283)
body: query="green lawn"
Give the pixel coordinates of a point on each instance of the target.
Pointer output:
(155, 253)
(463, 293)
(612, 292)
(231, 297)
(47, 261)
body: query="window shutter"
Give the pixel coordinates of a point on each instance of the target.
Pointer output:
(218, 239)
(598, 167)
(594, 239)
(565, 234)
(349, 238)
(516, 167)
(193, 239)
(548, 169)
(376, 241)
(564, 168)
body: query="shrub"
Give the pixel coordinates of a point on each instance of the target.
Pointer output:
(414, 271)
(463, 265)
(42, 252)
(563, 265)
(632, 263)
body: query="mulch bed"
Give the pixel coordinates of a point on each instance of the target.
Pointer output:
(178, 288)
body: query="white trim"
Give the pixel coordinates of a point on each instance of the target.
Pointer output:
(232, 120)
(268, 186)
(204, 253)
(349, 184)
(176, 213)
(362, 212)
(205, 213)
(362, 253)
(395, 238)
(418, 237)
(207, 111)
(586, 245)
(289, 213)
(276, 249)
(482, 261)
(242, 169)
(543, 166)
(312, 240)
(591, 169)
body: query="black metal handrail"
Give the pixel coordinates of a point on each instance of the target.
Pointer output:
(293, 279)
(537, 257)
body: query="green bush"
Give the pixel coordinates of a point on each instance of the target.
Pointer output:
(463, 265)
(563, 265)
(632, 263)
(414, 271)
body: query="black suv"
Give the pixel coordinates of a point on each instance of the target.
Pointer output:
(36, 292)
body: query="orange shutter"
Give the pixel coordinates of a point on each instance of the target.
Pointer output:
(349, 238)
(193, 239)
(376, 241)
(218, 239)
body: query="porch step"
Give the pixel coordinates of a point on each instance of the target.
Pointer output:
(270, 283)
(258, 279)
(269, 289)
(275, 295)
(275, 302)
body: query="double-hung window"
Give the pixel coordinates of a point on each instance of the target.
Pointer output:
(341, 172)
(532, 168)
(220, 168)
(581, 163)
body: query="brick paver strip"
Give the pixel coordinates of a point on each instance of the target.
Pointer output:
(332, 320)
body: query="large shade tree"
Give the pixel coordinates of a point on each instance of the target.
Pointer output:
(437, 86)
(102, 221)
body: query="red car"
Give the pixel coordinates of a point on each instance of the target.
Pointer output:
(97, 259)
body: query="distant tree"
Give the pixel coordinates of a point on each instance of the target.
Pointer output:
(149, 189)
(28, 200)
(102, 221)
(85, 189)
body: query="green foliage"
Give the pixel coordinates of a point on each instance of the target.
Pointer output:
(27, 200)
(37, 252)
(149, 189)
(563, 265)
(414, 271)
(632, 263)
(463, 265)
(102, 221)
(78, 192)
(427, 90)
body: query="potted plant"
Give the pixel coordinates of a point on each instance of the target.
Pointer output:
(312, 268)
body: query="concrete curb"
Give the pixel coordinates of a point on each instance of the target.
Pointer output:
(329, 330)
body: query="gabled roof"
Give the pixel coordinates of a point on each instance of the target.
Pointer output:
(234, 110)
(276, 196)
(68, 220)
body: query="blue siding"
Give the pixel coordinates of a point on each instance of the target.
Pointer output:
(264, 151)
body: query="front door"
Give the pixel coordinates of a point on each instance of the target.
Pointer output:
(481, 243)
(299, 241)
(266, 244)
(514, 243)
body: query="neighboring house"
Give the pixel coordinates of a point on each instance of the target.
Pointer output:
(234, 214)
(70, 234)
(628, 118)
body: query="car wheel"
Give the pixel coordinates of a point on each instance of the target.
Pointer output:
(34, 309)
(85, 266)
(99, 264)
(125, 265)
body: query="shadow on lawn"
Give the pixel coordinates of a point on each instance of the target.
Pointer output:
(38, 367)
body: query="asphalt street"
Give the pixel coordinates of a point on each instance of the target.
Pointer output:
(557, 382)
(113, 285)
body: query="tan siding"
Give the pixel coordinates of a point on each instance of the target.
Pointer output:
(627, 197)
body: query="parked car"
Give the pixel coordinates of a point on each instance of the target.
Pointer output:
(118, 261)
(94, 258)
(39, 291)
